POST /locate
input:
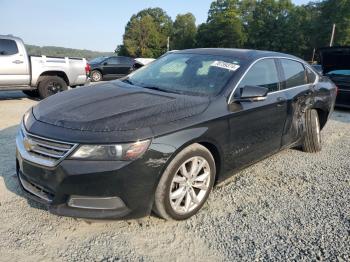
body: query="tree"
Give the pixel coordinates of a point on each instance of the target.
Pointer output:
(184, 31)
(265, 24)
(146, 33)
(334, 12)
(223, 28)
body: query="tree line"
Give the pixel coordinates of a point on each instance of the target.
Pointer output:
(276, 25)
(62, 52)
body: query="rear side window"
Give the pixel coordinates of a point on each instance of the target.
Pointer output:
(125, 60)
(263, 73)
(311, 76)
(8, 47)
(113, 61)
(294, 73)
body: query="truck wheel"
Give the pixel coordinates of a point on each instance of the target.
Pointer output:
(312, 140)
(31, 93)
(96, 76)
(50, 85)
(185, 184)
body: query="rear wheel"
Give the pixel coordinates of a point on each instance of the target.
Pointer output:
(185, 184)
(312, 140)
(50, 85)
(96, 76)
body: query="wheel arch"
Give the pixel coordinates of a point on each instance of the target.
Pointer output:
(322, 115)
(60, 74)
(97, 69)
(209, 144)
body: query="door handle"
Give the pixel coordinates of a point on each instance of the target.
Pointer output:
(280, 101)
(17, 62)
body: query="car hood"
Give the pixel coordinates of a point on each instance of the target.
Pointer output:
(116, 106)
(334, 58)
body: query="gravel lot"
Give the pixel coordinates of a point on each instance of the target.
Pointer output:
(292, 206)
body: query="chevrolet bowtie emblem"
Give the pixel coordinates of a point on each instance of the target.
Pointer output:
(28, 144)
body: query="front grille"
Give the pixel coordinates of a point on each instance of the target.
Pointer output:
(42, 150)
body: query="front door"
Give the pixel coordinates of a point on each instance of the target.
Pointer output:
(14, 69)
(256, 127)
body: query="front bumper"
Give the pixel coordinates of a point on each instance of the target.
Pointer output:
(131, 185)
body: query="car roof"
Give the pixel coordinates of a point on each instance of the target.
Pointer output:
(244, 54)
(10, 37)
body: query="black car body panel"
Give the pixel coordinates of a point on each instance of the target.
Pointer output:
(336, 59)
(137, 108)
(238, 133)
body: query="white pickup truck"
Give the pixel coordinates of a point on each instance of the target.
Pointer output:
(38, 75)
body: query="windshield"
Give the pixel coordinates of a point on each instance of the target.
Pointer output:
(97, 60)
(187, 73)
(339, 72)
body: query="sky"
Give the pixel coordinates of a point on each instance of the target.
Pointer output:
(93, 25)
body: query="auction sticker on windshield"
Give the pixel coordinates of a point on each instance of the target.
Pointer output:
(225, 65)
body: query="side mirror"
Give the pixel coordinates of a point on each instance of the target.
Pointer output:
(252, 93)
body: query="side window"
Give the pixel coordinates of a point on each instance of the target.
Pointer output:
(8, 47)
(126, 60)
(263, 73)
(113, 61)
(294, 73)
(311, 76)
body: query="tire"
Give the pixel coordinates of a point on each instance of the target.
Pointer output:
(31, 93)
(173, 182)
(312, 140)
(96, 76)
(50, 85)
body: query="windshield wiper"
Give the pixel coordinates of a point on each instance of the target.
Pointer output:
(161, 90)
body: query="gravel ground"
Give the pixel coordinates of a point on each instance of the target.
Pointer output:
(291, 206)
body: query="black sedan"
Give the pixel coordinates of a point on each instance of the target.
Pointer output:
(107, 68)
(160, 138)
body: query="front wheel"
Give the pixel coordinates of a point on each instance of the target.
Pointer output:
(185, 184)
(312, 140)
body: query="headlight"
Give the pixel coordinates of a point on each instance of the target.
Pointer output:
(26, 116)
(129, 151)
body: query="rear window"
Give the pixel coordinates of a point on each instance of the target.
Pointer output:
(294, 73)
(311, 76)
(8, 47)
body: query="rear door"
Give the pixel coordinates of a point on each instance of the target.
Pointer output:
(14, 68)
(256, 127)
(126, 65)
(298, 88)
(111, 66)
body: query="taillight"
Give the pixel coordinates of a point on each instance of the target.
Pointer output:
(87, 69)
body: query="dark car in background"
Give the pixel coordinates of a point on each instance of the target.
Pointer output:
(162, 137)
(335, 63)
(113, 67)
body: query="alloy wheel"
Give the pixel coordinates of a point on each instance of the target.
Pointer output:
(54, 88)
(190, 185)
(96, 76)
